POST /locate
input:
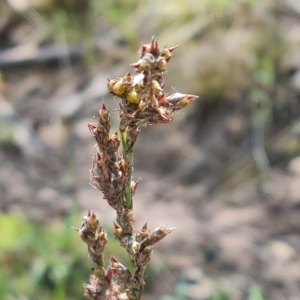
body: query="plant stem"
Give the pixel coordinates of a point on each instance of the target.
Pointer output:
(143, 102)
(128, 157)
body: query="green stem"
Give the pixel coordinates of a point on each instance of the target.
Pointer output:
(128, 196)
(123, 141)
(101, 261)
(131, 265)
(128, 159)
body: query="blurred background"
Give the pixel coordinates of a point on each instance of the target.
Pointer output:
(225, 172)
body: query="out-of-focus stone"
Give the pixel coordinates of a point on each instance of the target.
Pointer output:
(282, 251)
(294, 166)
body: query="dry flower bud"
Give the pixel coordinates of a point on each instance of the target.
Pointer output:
(101, 234)
(114, 263)
(144, 256)
(179, 100)
(136, 247)
(150, 48)
(145, 227)
(156, 88)
(166, 53)
(144, 49)
(93, 290)
(140, 65)
(119, 231)
(114, 142)
(142, 105)
(104, 114)
(164, 114)
(129, 212)
(111, 83)
(92, 219)
(142, 234)
(127, 78)
(134, 185)
(122, 165)
(98, 157)
(162, 231)
(92, 127)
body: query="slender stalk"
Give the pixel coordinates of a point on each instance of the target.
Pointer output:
(128, 157)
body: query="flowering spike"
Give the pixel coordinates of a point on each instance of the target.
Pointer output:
(142, 102)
